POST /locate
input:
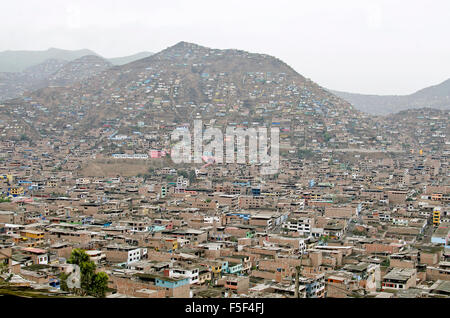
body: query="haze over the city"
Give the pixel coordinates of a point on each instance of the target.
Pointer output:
(370, 47)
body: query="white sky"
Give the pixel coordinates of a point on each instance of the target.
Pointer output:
(363, 46)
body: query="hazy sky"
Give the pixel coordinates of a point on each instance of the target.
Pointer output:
(364, 46)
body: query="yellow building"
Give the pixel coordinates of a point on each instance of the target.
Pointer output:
(32, 238)
(216, 269)
(436, 216)
(37, 235)
(172, 244)
(7, 177)
(52, 183)
(16, 191)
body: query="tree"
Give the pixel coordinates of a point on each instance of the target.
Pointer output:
(99, 284)
(324, 238)
(4, 268)
(91, 283)
(170, 178)
(63, 281)
(24, 137)
(87, 270)
(183, 173)
(78, 256)
(192, 176)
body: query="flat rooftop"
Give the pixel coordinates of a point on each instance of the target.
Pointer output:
(400, 274)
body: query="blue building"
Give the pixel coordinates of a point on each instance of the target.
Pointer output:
(234, 268)
(168, 282)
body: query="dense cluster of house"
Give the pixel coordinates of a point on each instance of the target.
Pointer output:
(376, 227)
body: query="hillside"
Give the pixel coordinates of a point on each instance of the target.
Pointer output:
(14, 84)
(78, 70)
(52, 72)
(186, 82)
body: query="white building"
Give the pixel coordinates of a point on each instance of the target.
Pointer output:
(191, 273)
(300, 225)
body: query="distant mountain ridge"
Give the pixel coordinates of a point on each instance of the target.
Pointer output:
(437, 96)
(19, 61)
(128, 59)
